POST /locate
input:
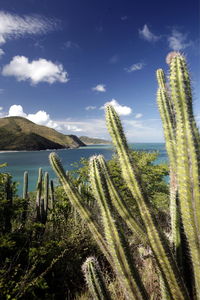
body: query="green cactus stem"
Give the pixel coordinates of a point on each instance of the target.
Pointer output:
(39, 193)
(128, 276)
(94, 279)
(188, 160)
(121, 206)
(159, 245)
(77, 202)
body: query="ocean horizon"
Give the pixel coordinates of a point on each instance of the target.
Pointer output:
(20, 161)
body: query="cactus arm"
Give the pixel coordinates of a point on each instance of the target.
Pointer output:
(120, 205)
(123, 265)
(158, 243)
(167, 113)
(39, 193)
(94, 279)
(187, 161)
(78, 204)
(46, 194)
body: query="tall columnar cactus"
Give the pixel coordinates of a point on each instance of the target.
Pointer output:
(42, 197)
(186, 140)
(124, 267)
(25, 198)
(77, 202)
(159, 245)
(183, 147)
(94, 279)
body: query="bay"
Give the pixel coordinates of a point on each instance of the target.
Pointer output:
(31, 161)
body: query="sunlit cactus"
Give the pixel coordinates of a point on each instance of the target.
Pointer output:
(183, 148)
(94, 279)
(185, 159)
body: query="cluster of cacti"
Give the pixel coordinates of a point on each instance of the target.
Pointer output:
(183, 147)
(44, 193)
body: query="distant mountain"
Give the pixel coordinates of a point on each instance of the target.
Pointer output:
(17, 133)
(92, 141)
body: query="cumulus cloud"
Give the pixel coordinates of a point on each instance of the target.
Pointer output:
(35, 71)
(41, 117)
(73, 128)
(99, 88)
(138, 116)
(147, 35)
(90, 107)
(15, 26)
(178, 41)
(1, 52)
(122, 110)
(135, 67)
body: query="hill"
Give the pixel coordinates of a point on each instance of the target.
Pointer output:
(17, 133)
(92, 141)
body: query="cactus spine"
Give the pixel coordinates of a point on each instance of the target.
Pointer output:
(187, 159)
(124, 267)
(78, 204)
(157, 240)
(94, 279)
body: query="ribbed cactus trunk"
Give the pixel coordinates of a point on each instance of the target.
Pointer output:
(94, 279)
(159, 245)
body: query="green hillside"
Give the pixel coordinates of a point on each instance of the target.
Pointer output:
(92, 141)
(17, 133)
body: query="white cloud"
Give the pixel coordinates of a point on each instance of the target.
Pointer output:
(135, 67)
(14, 26)
(1, 108)
(1, 91)
(138, 116)
(90, 107)
(35, 71)
(122, 110)
(73, 128)
(147, 35)
(1, 52)
(99, 88)
(178, 41)
(41, 117)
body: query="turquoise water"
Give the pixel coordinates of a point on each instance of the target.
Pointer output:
(30, 161)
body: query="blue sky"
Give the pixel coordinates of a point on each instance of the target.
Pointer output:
(61, 61)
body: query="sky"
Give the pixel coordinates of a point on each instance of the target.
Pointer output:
(62, 61)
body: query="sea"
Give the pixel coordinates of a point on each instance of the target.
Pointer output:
(20, 161)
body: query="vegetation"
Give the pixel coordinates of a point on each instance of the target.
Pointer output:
(92, 141)
(136, 237)
(17, 133)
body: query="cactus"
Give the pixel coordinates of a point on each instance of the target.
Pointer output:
(181, 132)
(94, 279)
(79, 205)
(159, 244)
(187, 159)
(128, 276)
(42, 197)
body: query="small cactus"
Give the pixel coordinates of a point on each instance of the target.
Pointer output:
(94, 279)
